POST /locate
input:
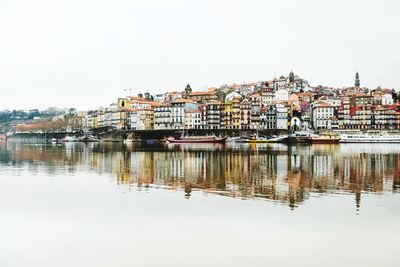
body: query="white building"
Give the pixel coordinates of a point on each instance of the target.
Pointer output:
(281, 117)
(160, 97)
(282, 95)
(336, 102)
(322, 115)
(193, 119)
(267, 97)
(387, 99)
(177, 117)
(178, 109)
(162, 117)
(233, 95)
(90, 121)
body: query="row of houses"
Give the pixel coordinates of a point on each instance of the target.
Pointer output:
(286, 103)
(359, 111)
(236, 113)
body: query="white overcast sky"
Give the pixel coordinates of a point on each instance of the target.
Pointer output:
(78, 53)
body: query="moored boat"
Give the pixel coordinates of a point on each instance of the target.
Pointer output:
(69, 138)
(370, 138)
(274, 139)
(325, 139)
(301, 137)
(84, 138)
(233, 139)
(197, 139)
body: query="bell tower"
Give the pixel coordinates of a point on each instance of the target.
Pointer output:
(188, 89)
(291, 77)
(357, 81)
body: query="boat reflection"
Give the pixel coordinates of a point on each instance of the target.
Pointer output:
(286, 174)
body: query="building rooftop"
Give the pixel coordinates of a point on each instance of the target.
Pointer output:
(183, 100)
(193, 111)
(200, 93)
(321, 104)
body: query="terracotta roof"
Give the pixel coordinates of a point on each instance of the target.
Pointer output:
(183, 100)
(143, 101)
(203, 93)
(320, 104)
(360, 94)
(193, 111)
(165, 104)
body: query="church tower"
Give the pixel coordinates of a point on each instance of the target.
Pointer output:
(188, 89)
(291, 77)
(357, 81)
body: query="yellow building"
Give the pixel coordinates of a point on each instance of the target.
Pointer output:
(95, 121)
(235, 113)
(226, 121)
(134, 103)
(141, 119)
(231, 114)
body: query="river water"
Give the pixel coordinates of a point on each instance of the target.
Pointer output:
(199, 205)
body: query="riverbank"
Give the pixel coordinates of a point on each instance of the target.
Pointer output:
(113, 135)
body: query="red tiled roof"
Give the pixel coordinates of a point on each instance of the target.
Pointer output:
(193, 111)
(203, 93)
(320, 104)
(183, 100)
(360, 94)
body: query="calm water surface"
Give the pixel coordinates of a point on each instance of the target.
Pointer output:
(199, 205)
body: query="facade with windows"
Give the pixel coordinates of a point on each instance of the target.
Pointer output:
(322, 115)
(193, 119)
(162, 117)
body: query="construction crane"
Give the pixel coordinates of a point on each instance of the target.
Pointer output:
(130, 90)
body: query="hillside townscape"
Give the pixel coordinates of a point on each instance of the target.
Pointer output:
(284, 103)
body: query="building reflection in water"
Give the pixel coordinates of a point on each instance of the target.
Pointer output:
(286, 174)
